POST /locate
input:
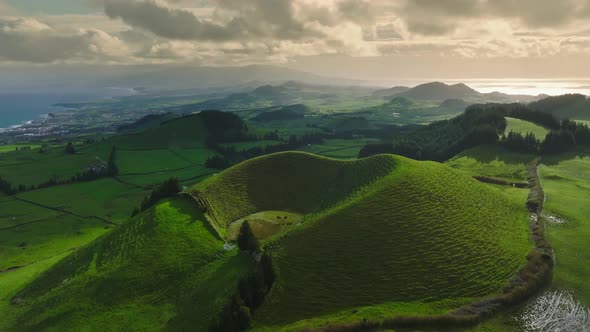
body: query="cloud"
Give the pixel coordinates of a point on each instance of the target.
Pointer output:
(278, 31)
(29, 40)
(168, 22)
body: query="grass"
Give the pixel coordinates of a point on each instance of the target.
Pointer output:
(264, 224)
(492, 161)
(10, 148)
(378, 230)
(338, 148)
(566, 181)
(163, 269)
(33, 168)
(172, 147)
(524, 127)
(148, 161)
(11, 282)
(104, 198)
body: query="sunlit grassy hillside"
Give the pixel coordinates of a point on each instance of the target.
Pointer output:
(163, 269)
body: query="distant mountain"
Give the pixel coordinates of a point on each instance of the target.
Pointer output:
(437, 91)
(572, 106)
(391, 91)
(440, 91)
(288, 93)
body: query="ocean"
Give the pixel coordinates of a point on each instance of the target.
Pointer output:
(18, 108)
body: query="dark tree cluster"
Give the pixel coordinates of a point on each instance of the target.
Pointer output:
(246, 239)
(168, 188)
(223, 127)
(70, 149)
(6, 187)
(521, 143)
(444, 139)
(252, 289)
(229, 156)
(558, 141)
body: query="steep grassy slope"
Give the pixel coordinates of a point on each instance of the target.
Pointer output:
(383, 231)
(161, 270)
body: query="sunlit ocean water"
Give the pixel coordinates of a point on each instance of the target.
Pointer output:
(550, 87)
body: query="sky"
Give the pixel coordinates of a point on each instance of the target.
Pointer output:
(363, 39)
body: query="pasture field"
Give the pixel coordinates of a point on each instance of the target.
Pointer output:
(416, 220)
(239, 146)
(147, 161)
(33, 168)
(524, 127)
(339, 148)
(30, 243)
(566, 181)
(187, 176)
(493, 161)
(10, 148)
(12, 281)
(104, 198)
(163, 269)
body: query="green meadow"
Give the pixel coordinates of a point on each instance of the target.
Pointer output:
(493, 161)
(525, 127)
(566, 181)
(10, 148)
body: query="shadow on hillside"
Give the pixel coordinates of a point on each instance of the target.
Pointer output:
(553, 160)
(489, 153)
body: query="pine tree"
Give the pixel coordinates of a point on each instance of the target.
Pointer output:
(246, 239)
(112, 168)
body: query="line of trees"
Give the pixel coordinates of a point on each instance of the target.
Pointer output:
(483, 124)
(229, 156)
(166, 189)
(109, 169)
(563, 138)
(443, 139)
(252, 289)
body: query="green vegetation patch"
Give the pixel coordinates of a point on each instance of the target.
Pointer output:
(147, 161)
(264, 224)
(566, 181)
(31, 242)
(339, 148)
(163, 269)
(524, 127)
(378, 230)
(291, 181)
(11, 148)
(493, 161)
(105, 198)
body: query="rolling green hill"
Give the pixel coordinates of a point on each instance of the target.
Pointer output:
(163, 269)
(570, 106)
(380, 237)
